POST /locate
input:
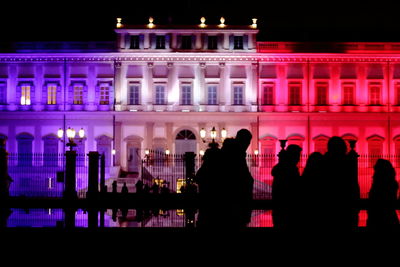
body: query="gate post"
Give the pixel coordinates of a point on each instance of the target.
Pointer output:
(93, 186)
(5, 180)
(103, 173)
(189, 166)
(70, 175)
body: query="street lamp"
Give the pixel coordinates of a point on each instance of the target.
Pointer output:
(213, 136)
(71, 133)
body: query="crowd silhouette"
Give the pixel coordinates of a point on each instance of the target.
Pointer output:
(324, 197)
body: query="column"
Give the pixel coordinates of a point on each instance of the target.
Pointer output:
(169, 137)
(362, 95)
(150, 90)
(37, 142)
(335, 93)
(202, 85)
(174, 43)
(198, 44)
(118, 142)
(91, 97)
(221, 89)
(149, 130)
(170, 82)
(226, 41)
(146, 43)
(281, 88)
(117, 85)
(254, 140)
(39, 83)
(254, 86)
(11, 87)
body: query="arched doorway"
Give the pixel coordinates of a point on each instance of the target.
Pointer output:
(185, 141)
(133, 147)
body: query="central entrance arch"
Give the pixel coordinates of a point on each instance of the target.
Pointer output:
(185, 141)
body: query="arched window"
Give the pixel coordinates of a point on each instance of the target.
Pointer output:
(347, 138)
(268, 151)
(24, 141)
(50, 150)
(104, 147)
(375, 148)
(295, 140)
(185, 141)
(321, 144)
(396, 140)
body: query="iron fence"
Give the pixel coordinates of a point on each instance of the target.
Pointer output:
(170, 169)
(43, 175)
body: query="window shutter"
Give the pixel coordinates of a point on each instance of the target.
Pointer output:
(85, 94)
(230, 42)
(205, 41)
(245, 42)
(193, 46)
(167, 41)
(18, 95)
(153, 41)
(127, 41)
(97, 93)
(58, 98)
(141, 41)
(179, 44)
(111, 94)
(44, 94)
(70, 94)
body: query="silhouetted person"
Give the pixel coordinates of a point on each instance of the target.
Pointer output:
(239, 181)
(285, 186)
(210, 184)
(155, 189)
(114, 187)
(139, 187)
(340, 186)
(164, 190)
(311, 192)
(382, 214)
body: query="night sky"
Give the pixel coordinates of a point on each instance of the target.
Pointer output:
(279, 20)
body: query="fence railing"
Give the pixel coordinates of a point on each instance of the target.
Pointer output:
(43, 175)
(171, 170)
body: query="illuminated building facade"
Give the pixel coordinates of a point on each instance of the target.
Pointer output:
(156, 87)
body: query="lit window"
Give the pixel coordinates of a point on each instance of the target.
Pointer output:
(212, 95)
(51, 94)
(321, 94)
(268, 94)
(25, 94)
(186, 95)
(78, 94)
(212, 42)
(134, 94)
(160, 95)
(160, 42)
(104, 94)
(238, 42)
(375, 149)
(135, 42)
(186, 42)
(375, 94)
(348, 94)
(397, 94)
(3, 93)
(295, 94)
(238, 95)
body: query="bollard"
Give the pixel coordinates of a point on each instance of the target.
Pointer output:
(93, 186)
(70, 175)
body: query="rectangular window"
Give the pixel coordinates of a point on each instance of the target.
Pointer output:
(160, 95)
(135, 42)
(104, 94)
(51, 94)
(212, 42)
(186, 42)
(268, 94)
(186, 95)
(3, 93)
(397, 94)
(160, 42)
(375, 94)
(78, 94)
(212, 95)
(321, 90)
(295, 94)
(25, 94)
(238, 95)
(133, 97)
(348, 94)
(237, 42)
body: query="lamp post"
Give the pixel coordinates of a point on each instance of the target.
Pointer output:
(71, 133)
(213, 136)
